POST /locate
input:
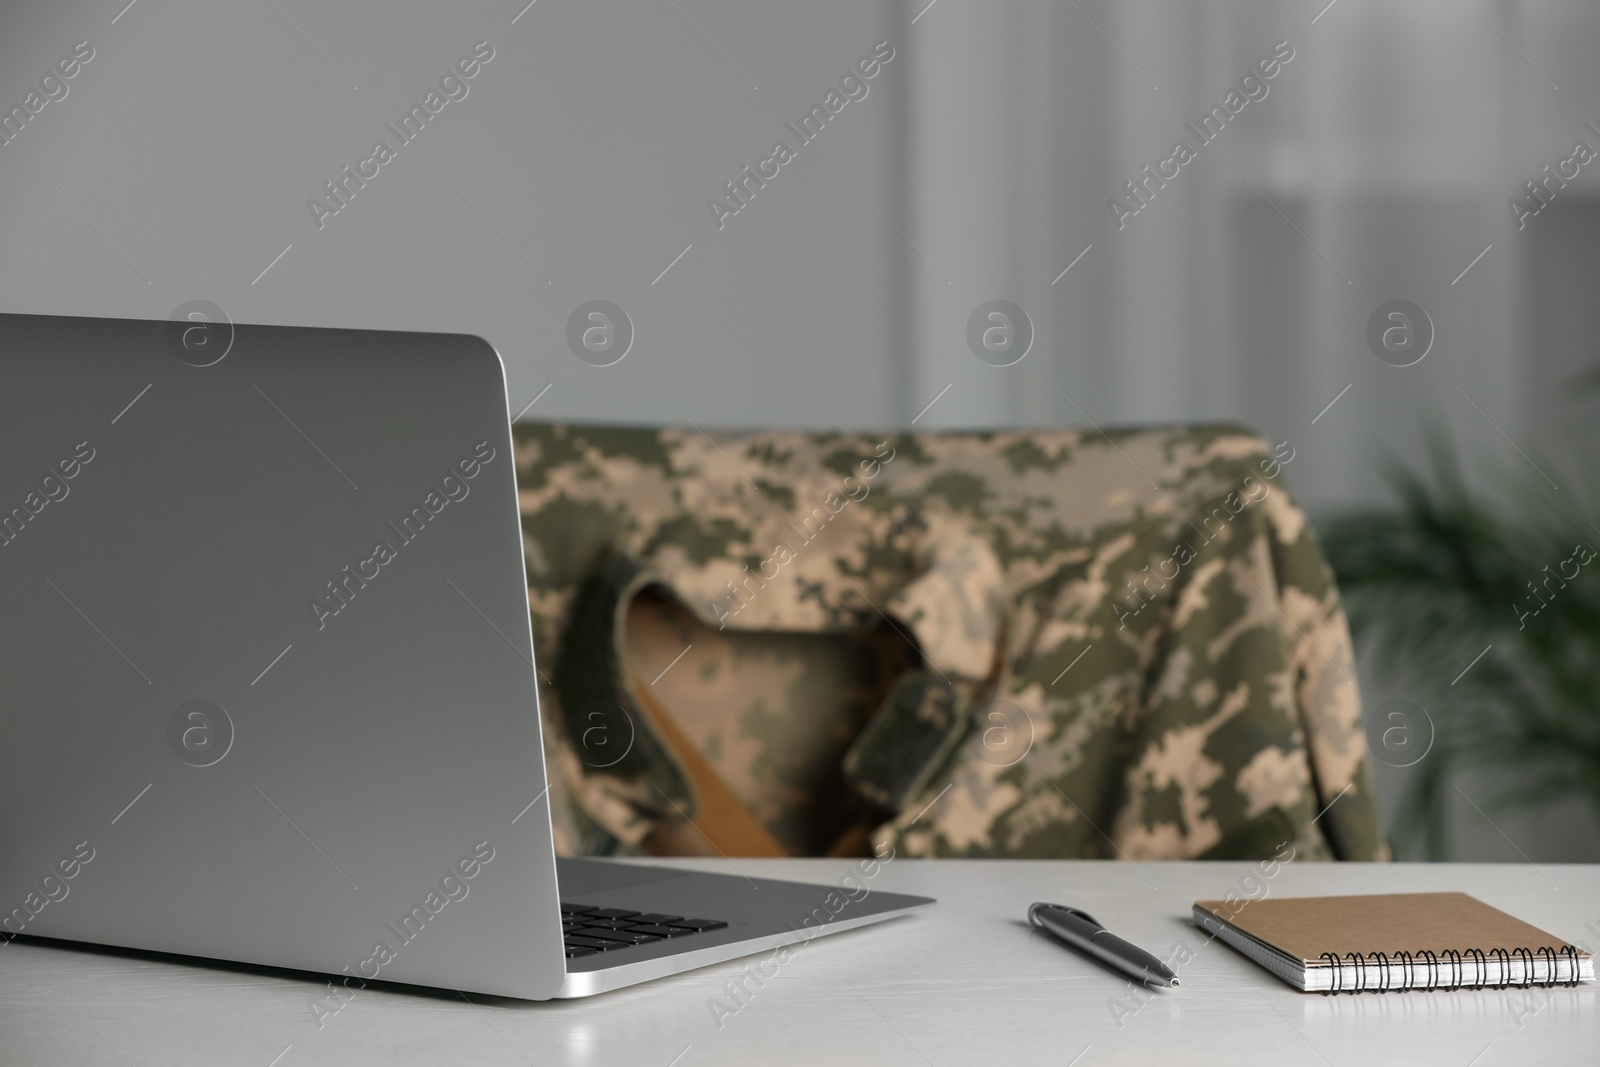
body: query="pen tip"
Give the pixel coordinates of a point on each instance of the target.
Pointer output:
(1173, 984)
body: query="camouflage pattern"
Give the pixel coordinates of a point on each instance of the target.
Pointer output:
(1024, 644)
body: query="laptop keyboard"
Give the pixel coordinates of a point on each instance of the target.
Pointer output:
(589, 930)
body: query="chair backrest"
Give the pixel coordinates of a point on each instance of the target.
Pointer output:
(1009, 644)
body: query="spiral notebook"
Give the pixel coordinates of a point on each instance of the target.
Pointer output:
(1392, 942)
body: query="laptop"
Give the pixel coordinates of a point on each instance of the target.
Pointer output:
(268, 690)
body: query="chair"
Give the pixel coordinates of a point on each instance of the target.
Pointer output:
(1046, 643)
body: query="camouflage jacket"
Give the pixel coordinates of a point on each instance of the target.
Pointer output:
(1024, 644)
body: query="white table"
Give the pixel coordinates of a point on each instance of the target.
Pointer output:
(964, 983)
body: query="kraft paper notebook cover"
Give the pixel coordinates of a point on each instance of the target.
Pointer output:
(1390, 942)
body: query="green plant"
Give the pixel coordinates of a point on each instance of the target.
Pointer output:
(1453, 571)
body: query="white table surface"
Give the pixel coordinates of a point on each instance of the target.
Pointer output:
(963, 983)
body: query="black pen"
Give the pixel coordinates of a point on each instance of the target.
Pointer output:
(1077, 929)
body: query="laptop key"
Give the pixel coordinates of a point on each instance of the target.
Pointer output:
(613, 932)
(574, 951)
(662, 931)
(603, 944)
(700, 924)
(656, 918)
(575, 909)
(632, 937)
(610, 913)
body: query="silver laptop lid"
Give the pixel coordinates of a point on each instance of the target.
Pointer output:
(266, 675)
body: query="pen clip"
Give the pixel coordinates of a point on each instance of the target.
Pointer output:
(1033, 917)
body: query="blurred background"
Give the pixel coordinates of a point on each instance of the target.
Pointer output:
(989, 157)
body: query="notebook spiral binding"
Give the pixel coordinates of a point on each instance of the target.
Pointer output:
(1446, 970)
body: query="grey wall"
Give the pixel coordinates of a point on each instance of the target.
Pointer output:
(590, 142)
(979, 165)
